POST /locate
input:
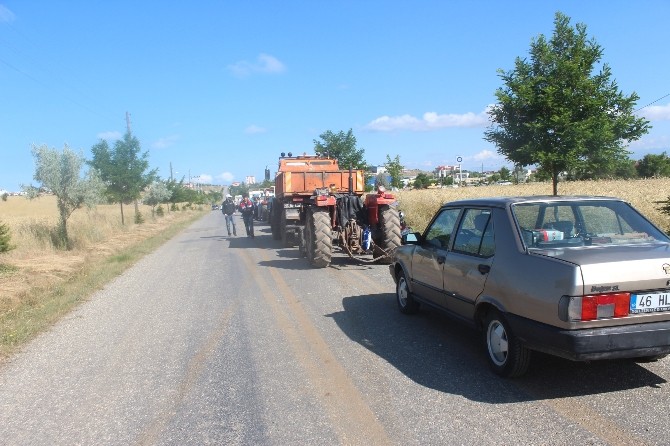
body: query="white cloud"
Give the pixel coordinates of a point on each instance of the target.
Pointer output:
(226, 177)
(111, 135)
(6, 15)
(164, 143)
(204, 178)
(647, 143)
(254, 130)
(485, 155)
(429, 121)
(656, 112)
(264, 64)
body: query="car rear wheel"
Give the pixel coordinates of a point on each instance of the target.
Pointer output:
(406, 302)
(507, 356)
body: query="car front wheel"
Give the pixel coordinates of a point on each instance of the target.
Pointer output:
(406, 302)
(507, 356)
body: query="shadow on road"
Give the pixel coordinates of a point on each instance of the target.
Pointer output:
(439, 353)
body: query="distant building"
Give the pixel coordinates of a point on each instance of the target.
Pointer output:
(445, 171)
(250, 180)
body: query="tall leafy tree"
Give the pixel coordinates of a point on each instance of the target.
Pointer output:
(61, 173)
(394, 168)
(555, 111)
(123, 169)
(654, 166)
(341, 146)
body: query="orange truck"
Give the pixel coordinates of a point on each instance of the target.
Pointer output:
(318, 207)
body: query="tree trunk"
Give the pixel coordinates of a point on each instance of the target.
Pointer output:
(62, 225)
(123, 222)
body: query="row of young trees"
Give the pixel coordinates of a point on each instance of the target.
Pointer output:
(118, 174)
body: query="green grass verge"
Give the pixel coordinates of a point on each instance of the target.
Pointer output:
(43, 307)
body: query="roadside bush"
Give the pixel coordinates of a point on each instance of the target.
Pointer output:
(4, 196)
(5, 239)
(159, 211)
(139, 218)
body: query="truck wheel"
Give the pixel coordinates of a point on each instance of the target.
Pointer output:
(285, 239)
(318, 239)
(275, 219)
(389, 226)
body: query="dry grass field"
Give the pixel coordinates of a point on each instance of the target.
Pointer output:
(420, 205)
(35, 275)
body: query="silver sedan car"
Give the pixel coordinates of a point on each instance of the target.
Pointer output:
(582, 278)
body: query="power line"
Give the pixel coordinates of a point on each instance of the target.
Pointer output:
(62, 86)
(652, 102)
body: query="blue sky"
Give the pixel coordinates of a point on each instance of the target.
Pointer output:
(217, 89)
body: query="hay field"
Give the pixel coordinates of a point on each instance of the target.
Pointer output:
(420, 205)
(36, 265)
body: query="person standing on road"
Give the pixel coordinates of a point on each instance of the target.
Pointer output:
(247, 209)
(228, 209)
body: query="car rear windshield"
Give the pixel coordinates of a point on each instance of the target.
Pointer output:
(583, 223)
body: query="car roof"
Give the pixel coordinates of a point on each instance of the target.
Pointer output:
(504, 202)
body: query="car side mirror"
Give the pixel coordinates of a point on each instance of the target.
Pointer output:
(411, 238)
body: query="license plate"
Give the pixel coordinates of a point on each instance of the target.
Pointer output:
(650, 302)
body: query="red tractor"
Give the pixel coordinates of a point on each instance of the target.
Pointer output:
(318, 206)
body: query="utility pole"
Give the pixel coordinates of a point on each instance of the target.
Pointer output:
(128, 122)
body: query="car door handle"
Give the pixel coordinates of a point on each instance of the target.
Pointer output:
(441, 259)
(484, 269)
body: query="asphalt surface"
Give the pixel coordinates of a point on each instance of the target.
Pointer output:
(236, 341)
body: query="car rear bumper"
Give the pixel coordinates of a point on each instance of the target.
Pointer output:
(625, 341)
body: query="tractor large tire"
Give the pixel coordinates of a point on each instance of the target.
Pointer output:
(285, 238)
(275, 221)
(318, 238)
(389, 234)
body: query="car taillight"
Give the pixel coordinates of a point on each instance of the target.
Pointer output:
(599, 306)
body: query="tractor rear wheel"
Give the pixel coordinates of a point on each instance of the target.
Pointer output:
(285, 238)
(318, 238)
(275, 220)
(389, 235)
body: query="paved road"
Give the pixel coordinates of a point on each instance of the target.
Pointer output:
(235, 341)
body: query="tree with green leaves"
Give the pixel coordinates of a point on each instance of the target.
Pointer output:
(155, 194)
(556, 113)
(394, 169)
(422, 181)
(381, 179)
(341, 146)
(61, 173)
(5, 238)
(654, 166)
(177, 192)
(123, 169)
(505, 174)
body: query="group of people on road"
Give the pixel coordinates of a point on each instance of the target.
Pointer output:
(246, 208)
